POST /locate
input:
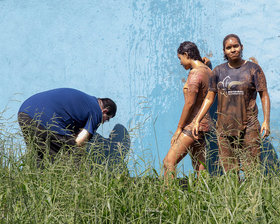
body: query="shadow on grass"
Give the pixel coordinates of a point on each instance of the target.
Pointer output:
(110, 151)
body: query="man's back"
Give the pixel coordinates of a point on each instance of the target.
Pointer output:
(64, 110)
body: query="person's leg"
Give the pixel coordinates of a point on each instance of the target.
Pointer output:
(45, 142)
(227, 157)
(176, 153)
(32, 133)
(60, 144)
(198, 154)
(250, 154)
(25, 123)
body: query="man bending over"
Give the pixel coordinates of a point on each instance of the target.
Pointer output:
(62, 118)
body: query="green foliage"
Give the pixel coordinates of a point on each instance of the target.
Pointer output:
(65, 192)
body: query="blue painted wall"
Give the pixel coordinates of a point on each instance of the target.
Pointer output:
(126, 50)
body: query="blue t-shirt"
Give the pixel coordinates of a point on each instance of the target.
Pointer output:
(64, 111)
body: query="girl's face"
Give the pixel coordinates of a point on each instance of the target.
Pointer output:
(185, 61)
(233, 49)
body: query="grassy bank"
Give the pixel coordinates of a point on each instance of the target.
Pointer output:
(90, 193)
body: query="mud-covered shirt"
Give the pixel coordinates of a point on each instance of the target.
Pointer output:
(237, 92)
(197, 82)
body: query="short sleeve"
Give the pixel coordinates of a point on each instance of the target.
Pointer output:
(193, 83)
(259, 79)
(213, 79)
(92, 124)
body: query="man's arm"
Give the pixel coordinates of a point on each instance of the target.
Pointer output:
(83, 137)
(266, 112)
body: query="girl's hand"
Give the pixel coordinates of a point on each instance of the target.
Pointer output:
(195, 130)
(206, 61)
(176, 135)
(266, 129)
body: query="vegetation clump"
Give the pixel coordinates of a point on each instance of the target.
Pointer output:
(64, 192)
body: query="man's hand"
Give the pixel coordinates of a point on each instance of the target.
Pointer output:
(176, 135)
(266, 129)
(195, 130)
(82, 137)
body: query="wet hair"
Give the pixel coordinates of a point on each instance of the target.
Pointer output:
(191, 49)
(110, 105)
(231, 36)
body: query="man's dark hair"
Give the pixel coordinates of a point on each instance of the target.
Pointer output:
(191, 49)
(110, 105)
(231, 36)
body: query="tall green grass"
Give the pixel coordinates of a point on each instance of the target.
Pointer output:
(65, 192)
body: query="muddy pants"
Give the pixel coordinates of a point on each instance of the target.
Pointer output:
(44, 141)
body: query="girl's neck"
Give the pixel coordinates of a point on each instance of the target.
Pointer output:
(196, 63)
(236, 64)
